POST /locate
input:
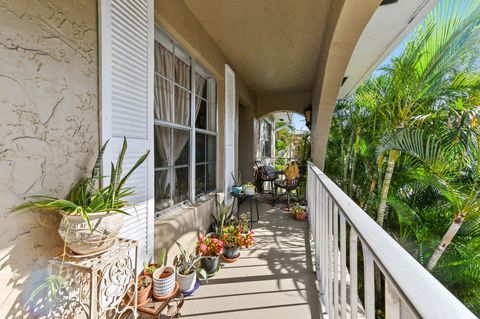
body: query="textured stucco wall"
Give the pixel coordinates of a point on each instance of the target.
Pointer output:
(48, 128)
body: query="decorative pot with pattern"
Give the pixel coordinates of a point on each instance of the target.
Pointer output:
(163, 281)
(77, 236)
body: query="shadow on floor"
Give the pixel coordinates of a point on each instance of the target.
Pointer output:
(273, 279)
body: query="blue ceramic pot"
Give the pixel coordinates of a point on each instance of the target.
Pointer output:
(236, 190)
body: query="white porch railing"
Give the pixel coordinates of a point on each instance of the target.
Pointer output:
(410, 290)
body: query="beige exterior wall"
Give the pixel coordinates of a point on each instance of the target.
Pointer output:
(296, 102)
(183, 225)
(246, 143)
(346, 21)
(48, 129)
(176, 19)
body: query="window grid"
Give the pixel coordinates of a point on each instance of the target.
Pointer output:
(211, 128)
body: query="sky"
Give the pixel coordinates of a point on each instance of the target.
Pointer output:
(299, 122)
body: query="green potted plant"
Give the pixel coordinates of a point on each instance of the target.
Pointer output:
(187, 269)
(210, 248)
(144, 287)
(299, 212)
(149, 269)
(224, 217)
(92, 216)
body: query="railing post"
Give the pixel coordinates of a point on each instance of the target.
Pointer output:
(343, 266)
(392, 302)
(329, 251)
(335, 260)
(369, 282)
(353, 275)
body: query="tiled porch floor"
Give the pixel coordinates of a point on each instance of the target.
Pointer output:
(273, 279)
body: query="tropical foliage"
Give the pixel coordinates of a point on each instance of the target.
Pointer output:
(405, 147)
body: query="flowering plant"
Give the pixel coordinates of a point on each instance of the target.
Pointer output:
(239, 235)
(209, 246)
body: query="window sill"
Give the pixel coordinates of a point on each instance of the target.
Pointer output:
(168, 212)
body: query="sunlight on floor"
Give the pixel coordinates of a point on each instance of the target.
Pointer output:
(274, 279)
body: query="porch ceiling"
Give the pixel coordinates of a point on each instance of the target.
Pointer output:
(274, 45)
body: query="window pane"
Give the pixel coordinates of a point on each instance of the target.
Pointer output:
(212, 118)
(163, 197)
(181, 149)
(211, 148)
(162, 146)
(211, 177)
(182, 106)
(200, 86)
(200, 148)
(200, 181)
(164, 102)
(201, 106)
(164, 60)
(182, 71)
(181, 185)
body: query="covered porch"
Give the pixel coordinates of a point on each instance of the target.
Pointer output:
(252, 63)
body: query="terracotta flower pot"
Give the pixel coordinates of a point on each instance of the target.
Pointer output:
(186, 282)
(300, 216)
(163, 281)
(210, 264)
(77, 236)
(142, 294)
(150, 274)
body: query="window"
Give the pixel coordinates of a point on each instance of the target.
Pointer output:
(265, 139)
(185, 129)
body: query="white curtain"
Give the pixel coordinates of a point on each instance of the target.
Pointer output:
(172, 104)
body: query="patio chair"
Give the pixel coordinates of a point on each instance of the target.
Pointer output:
(288, 185)
(265, 173)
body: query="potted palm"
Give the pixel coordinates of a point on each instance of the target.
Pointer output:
(92, 216)
(210, 248)
(187, 270)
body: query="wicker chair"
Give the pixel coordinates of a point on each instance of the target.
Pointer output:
(289, 185)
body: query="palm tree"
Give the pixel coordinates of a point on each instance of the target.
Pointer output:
(429, 72)
(456, 175)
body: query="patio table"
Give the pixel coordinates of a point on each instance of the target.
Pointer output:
(251, 199)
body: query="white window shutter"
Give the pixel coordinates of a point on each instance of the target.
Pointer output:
(230, 112)
(126, 105)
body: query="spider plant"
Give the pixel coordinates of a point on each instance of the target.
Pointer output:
(86, 198)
